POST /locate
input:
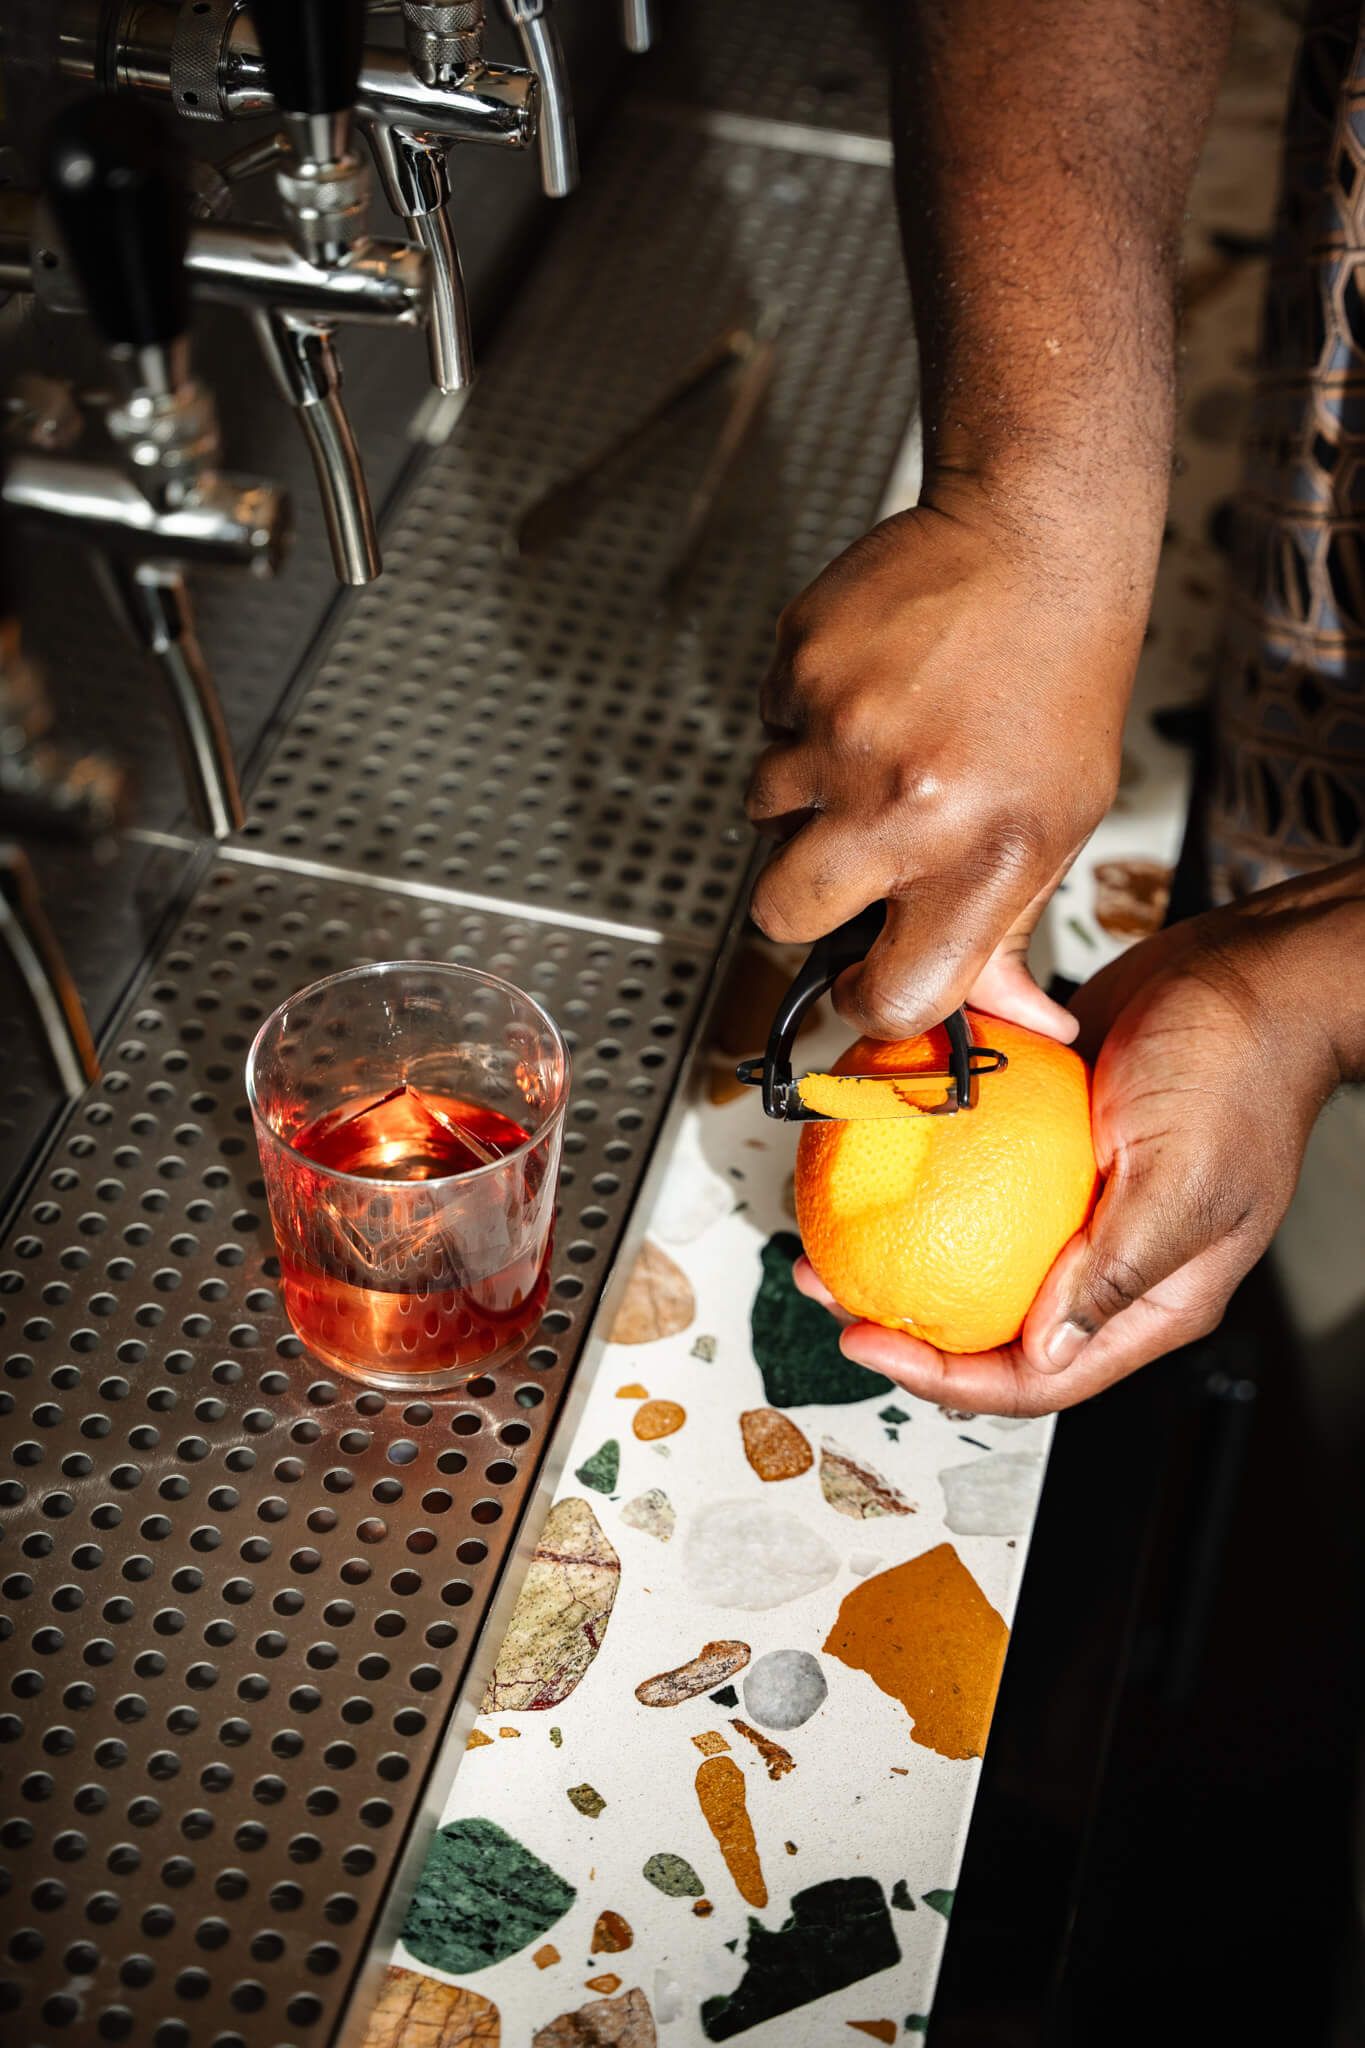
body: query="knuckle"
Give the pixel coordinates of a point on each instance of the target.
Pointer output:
(1047, 1397)
(763, 798)
(1206, 1321)
(912, 785)
(878, 1004)
(1112, 1284)
(774, 914)
(792, 621)
(851, 723)
(1013, 846)
(1219, 1197)
(807, 665)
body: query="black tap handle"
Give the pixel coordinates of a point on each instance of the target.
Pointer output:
(118, 187)
(312, 51)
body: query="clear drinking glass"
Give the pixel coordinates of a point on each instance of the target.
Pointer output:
(410, 1117)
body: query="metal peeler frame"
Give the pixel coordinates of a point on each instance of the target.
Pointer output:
(828, 958)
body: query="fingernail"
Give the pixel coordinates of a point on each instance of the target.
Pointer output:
(1064, 1346)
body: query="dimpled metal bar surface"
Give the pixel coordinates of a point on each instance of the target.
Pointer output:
(239, 1597)
(553, 731)
(239, 1592)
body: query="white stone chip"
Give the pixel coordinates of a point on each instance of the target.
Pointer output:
(993, 1496)
(752, 1554)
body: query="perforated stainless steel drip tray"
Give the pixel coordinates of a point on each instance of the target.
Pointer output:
(237, 1589)
(550, 731)
(241, 1596)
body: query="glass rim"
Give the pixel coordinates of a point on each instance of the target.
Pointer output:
(377, 967)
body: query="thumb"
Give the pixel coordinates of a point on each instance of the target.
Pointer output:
(1152, 1218)
(1006, 988)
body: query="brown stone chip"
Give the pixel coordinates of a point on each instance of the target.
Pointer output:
(713, 1664)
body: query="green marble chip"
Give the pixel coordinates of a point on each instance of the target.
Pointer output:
(481, 1897)
(602, 1470)
(796, 1342)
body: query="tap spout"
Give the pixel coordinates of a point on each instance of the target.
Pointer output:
(155, 605)
(303, 360)
(45, 974)
(412, 169)
(542, 52)
(639, 26)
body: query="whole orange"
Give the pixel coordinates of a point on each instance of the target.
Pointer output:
(945, 1226)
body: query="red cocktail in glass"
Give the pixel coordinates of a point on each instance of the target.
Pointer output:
(409, 1118)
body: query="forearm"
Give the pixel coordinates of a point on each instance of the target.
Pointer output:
(1315, 932)
(1044, 155)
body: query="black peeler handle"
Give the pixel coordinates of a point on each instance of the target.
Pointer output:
(842, 948)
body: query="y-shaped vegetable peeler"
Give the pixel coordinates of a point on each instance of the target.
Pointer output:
(866, 1095)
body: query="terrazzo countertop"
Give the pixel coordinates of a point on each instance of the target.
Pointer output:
(727, 1761)
(730, 1746)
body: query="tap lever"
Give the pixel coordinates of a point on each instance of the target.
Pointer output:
(124, 211)
(118, 186)
(312, 51)
(120, 194)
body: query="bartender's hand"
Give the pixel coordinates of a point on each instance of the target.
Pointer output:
(945, 709)
(1216, 1044)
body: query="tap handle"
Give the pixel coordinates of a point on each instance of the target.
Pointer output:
(117, 183)
(312, 51)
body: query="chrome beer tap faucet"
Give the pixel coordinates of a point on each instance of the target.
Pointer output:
(311, 52)
(445, 50)
(209, 58)
(212, 60)
(414, 111)
(152, 502)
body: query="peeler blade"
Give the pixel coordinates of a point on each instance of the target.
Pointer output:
(845, 1098)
